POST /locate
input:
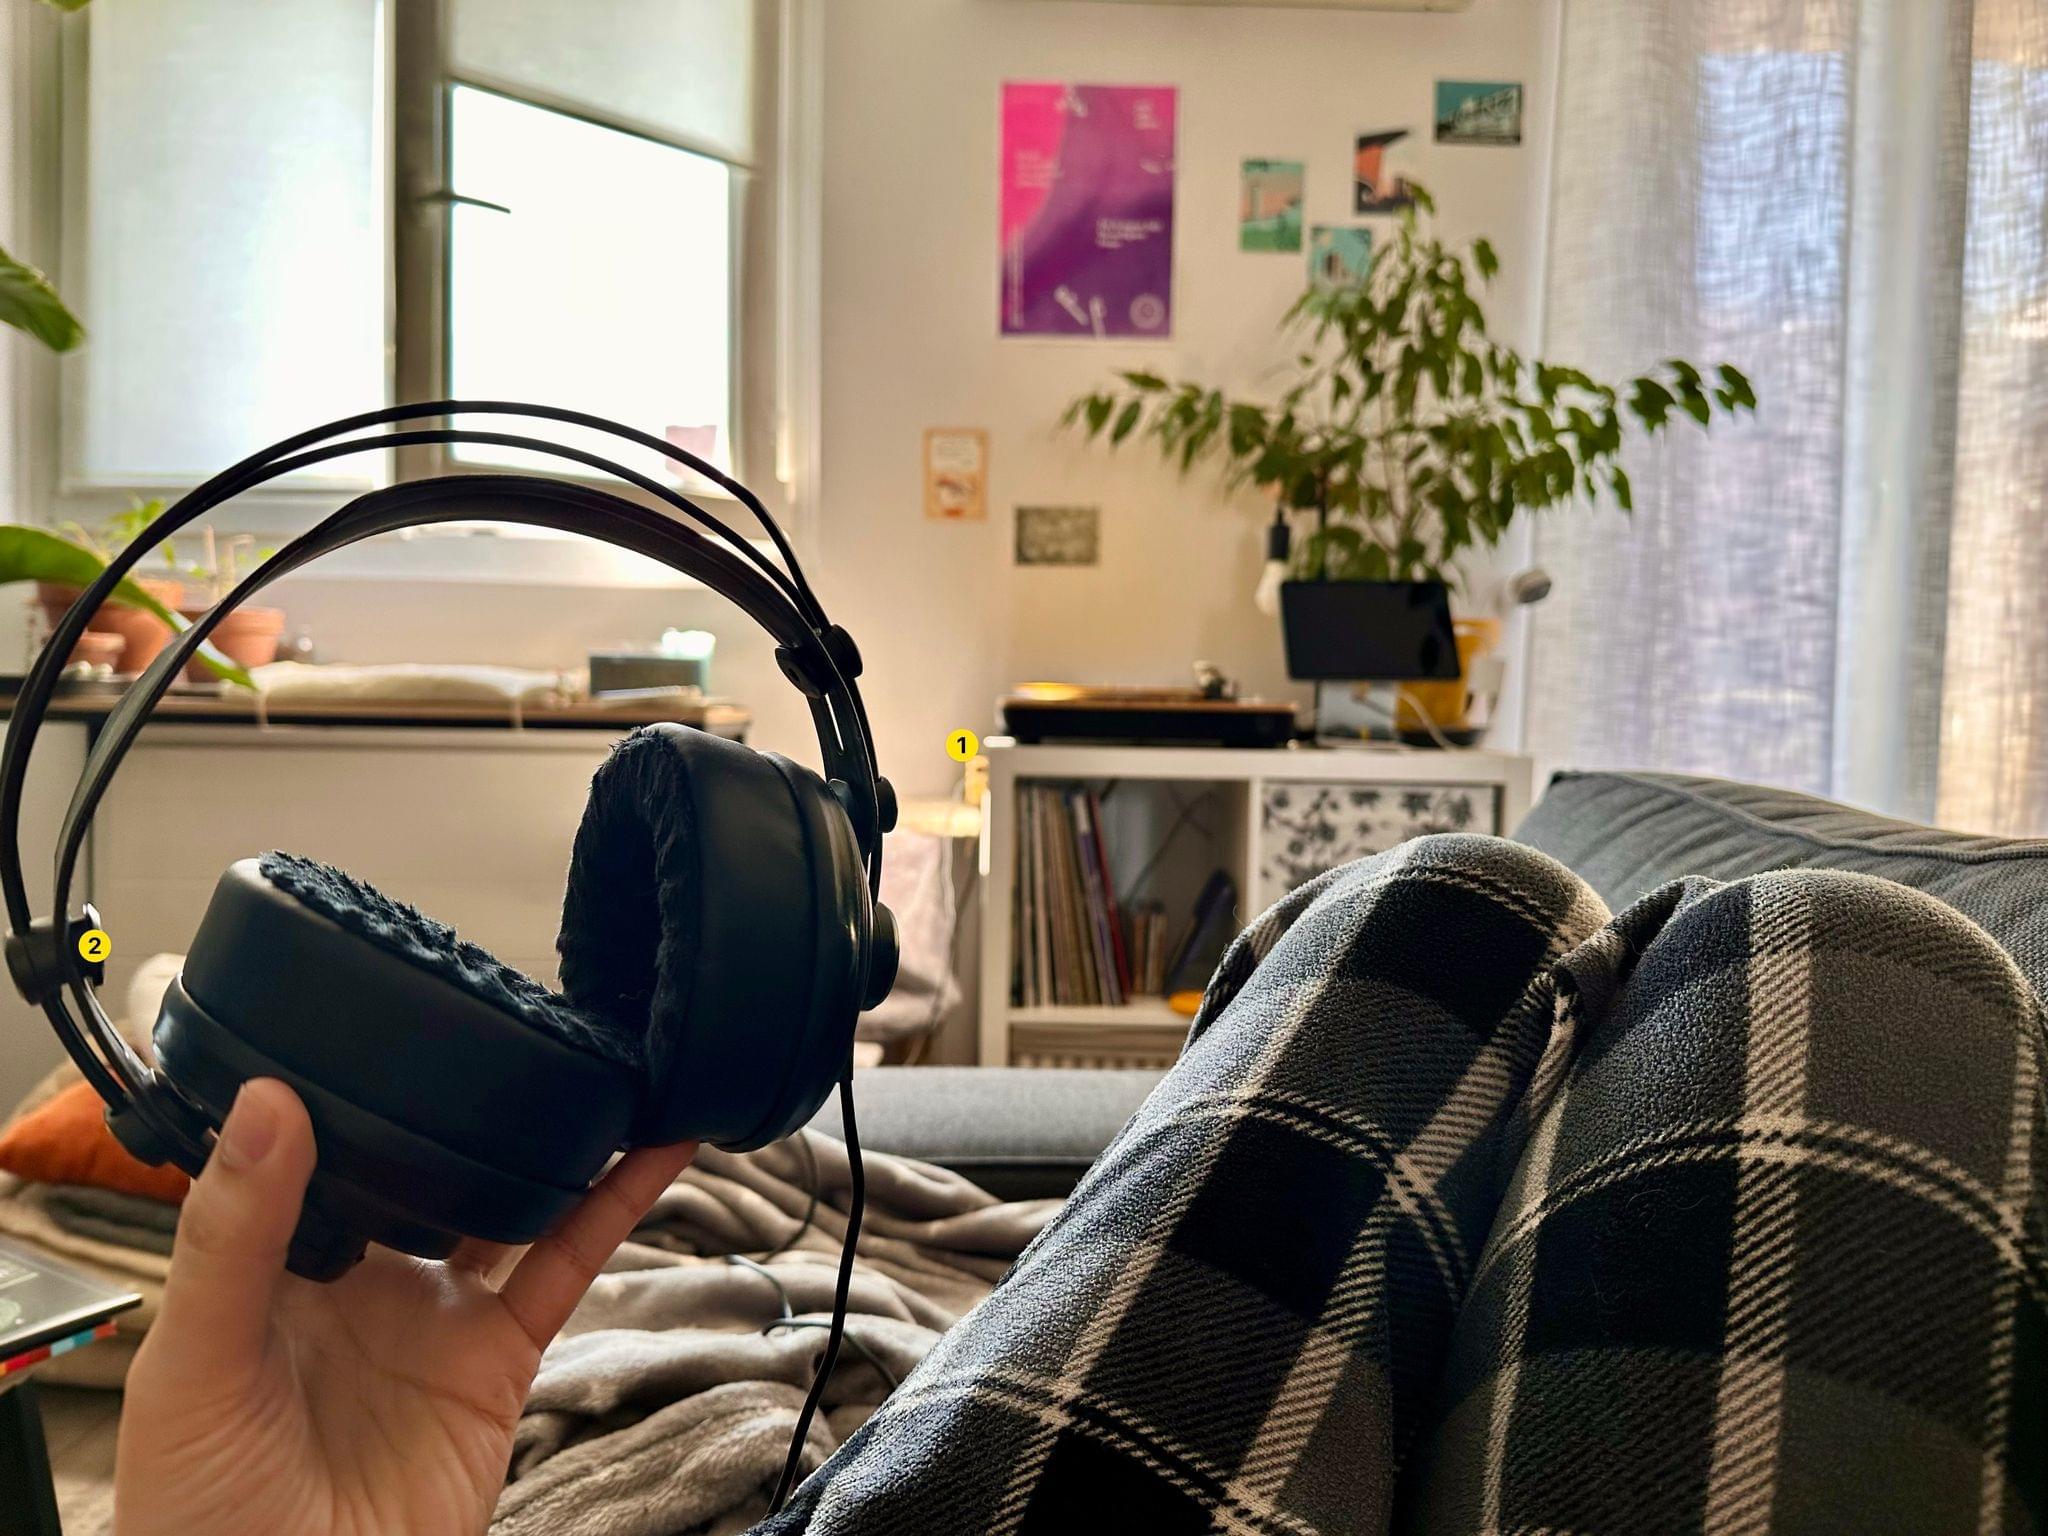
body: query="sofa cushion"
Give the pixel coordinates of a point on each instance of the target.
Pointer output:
(1021, 1133)
(1627, 833)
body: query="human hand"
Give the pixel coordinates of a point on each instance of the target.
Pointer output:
(378, 1404)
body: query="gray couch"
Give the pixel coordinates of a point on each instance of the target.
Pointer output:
(1023, 1133)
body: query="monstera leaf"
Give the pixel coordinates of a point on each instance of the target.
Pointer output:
(36, 554)
(29, 303)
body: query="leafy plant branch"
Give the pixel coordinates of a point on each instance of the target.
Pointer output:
(27, 301)
(1409, 431)
(37, 554)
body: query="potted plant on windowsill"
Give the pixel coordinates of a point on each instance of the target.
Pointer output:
(1409, 433)
(249, 635)
(63, 567)
(144, 629)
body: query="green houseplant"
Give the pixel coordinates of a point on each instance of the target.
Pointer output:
(1410, 433)
(63, 566)
(27, 301)
(248, 635)
(142, 631)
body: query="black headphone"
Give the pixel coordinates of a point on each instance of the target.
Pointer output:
(720, 931)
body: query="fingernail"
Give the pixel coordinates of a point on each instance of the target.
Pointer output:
(250, 1131)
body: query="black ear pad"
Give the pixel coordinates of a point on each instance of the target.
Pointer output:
(450, 1094)
(718, 904)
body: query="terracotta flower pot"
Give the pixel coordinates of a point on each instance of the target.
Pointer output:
(55, 599)
(97, 648)
(142, 633)
(249, 637)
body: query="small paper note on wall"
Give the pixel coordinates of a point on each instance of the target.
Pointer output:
(1478, 112)
(1269, 205)
(1377, 182)
(956, 474)
(1338, 256)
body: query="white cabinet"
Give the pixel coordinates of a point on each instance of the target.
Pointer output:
(473, 826)
(1268, 819)
(28, 1046)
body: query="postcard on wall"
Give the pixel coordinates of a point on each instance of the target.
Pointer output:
(1379, 188)
(1338, 255)
(1059, 535)
(1269, 206)
(1087, 209)
(1478, 112)
(956, 473)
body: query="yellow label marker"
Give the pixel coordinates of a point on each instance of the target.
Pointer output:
(94, 945)
(962, 745)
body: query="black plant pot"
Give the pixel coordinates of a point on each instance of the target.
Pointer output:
(1368, 631)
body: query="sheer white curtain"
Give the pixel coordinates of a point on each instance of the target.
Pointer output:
(1849, 595)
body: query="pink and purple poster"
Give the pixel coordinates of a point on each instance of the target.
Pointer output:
(1087, 219)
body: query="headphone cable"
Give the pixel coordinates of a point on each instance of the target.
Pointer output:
(836, 1333)
(803, 1141)
(889, 1377)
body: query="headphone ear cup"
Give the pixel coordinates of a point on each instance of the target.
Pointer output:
(885, 954)
(450, 1095)
(718, 902)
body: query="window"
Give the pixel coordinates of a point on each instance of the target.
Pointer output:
(227, 247)
(582, 197)
(552, 294)
(276, 215)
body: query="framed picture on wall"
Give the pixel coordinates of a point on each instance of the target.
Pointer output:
(1377, 185)
(1478, 112)
(1269, 205)
(1087, 209)
(1338, 256)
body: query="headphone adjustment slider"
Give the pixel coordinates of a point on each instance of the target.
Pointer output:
(151, 1126)
(859, 813)
(808, 667)
(42, 960)
(844, 653)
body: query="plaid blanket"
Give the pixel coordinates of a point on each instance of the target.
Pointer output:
(1472, 1209)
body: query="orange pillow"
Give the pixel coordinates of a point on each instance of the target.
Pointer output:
(66, 1141)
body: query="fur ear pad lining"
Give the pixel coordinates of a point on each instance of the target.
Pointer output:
(629, 911)
(433, 946)
(717, 904)
(392, 1028)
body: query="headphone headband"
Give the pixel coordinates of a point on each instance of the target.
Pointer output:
(817, 656)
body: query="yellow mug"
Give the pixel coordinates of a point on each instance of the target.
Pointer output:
(1447, 705)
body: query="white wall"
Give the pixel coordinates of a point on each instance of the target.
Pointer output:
(910, 319)
(909, 337)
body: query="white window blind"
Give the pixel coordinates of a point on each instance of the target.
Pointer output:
(231, 265)
(683, 69)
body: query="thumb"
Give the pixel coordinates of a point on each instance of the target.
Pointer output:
(228, 1257)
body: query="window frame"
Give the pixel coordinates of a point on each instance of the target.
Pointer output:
(424, 78)
(776, 374)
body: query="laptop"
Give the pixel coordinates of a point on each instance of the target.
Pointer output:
(48, 1308)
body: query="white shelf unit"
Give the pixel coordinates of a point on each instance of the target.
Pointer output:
(1367, 799)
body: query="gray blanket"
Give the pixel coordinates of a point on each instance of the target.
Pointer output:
(668, 1402)
(108, 1216)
